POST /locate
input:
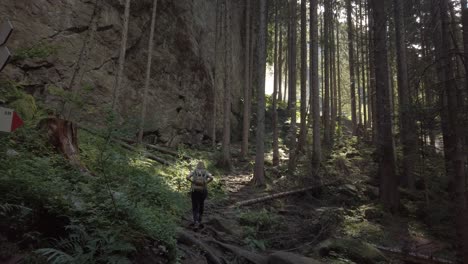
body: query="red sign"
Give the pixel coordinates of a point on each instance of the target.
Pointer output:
(17, 122)
(9, 120)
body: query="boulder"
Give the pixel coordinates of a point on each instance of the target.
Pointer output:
(356, 251)
(12, 153)
(290, 258)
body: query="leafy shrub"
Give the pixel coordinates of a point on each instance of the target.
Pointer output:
(92, 219)
(262, 219)
(255, 222)
(38, 51)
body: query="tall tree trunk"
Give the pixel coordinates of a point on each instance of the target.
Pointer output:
(338, 55)
(333, 75)
(289, 60)
(303, 129)
(453, 116)
(464, 4)
(349, 11)
(326, 50)
(407, 125)
(253, 44)
(314, 83)
(280, 64)
(259, 171)
(428, 91)
(215, 78)
(123, 50)
(363, 63)
(322, 65)
(247, 90)
(275, 92)
(286, 73)
(358, 67)
(226, 147)
(292, 85)
(148, 73)
(373, 84)
(388, 182)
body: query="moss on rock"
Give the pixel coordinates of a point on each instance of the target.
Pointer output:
(356, 251)
(25, 107)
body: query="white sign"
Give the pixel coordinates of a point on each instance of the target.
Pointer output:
(5, 31)
(4, 57)
(9, 120)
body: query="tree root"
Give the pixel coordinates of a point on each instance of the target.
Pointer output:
(413, 257)
(250, 256)
(188, 239)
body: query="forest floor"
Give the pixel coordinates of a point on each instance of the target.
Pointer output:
(341, 223)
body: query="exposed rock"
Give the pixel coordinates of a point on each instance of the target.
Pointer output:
(49, 41)
(354, 250)
(290, 258)
(12, 153)
(348, 189)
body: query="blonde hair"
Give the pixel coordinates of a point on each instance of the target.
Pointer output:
(201, 165)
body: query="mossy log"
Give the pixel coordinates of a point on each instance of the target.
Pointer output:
(282, 194)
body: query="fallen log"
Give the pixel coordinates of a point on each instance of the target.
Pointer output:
(167, 151)
(281, 195)
(158, 148)
(188, 239)
(128, 146)
(413, 257)
(146, 154)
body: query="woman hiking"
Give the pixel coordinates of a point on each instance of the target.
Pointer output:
(199, 178)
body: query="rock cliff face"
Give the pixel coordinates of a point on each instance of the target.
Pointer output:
(60, 45)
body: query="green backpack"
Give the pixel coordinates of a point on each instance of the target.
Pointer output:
(199, 179)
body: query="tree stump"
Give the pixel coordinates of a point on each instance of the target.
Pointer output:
(63, 135)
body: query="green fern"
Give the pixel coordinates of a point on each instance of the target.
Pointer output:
(55, 256)
(7, 208)
(101, 246)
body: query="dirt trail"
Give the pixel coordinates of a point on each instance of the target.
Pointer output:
(302, 222)
(220, 229)
(223, 237)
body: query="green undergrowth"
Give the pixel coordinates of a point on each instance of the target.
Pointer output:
(39, 50)
(13, 95)
(106, 212)
(255, 225)
(58, 212)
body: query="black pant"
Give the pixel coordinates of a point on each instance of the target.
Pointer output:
(198, 200)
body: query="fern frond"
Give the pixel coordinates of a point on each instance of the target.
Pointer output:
(55, 256)
(7, 208)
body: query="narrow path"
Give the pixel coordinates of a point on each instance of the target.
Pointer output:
(224, 237)
(220, 230)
